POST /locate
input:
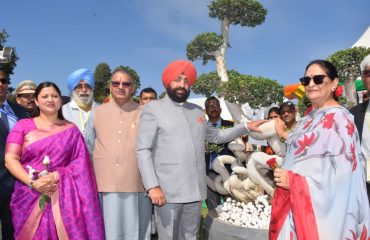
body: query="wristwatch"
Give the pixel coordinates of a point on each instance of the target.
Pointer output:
(30, 185)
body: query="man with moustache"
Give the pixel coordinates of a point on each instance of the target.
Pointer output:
(213, 111)
(361, 113)
(79, 110)
(25, 94)
(9, 114)
(126, 208)
(147, 94)
(170, 152)
(288, 115)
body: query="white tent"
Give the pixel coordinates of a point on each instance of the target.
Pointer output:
(364, 40)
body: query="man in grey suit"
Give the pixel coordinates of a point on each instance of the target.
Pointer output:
(170, 153)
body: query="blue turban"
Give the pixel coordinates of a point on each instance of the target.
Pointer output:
(77, 76)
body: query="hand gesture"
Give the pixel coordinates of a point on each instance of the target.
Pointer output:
(47, 184)
(281, 178)
(253, 126)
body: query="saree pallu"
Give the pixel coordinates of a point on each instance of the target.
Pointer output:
(327, 198)
(74, 211)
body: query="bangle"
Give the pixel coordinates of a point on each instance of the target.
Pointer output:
(30, 185)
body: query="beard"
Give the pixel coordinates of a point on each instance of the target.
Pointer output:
(177, 96)
(83, 99)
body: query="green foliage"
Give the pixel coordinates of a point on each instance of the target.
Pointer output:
(102, 76)
(255, 90)
(8, 67)
(202, 46)
(207, 84)
(303, 105)
(135, 76)
(244, 12)
(348, 61)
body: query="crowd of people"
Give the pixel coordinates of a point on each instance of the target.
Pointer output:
(87, 171)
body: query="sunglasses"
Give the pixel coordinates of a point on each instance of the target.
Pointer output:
(123, 84)
(317, 79)
(4, 80)
(366, 73)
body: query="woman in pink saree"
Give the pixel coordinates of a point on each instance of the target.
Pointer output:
(321, 192)
(73, 211)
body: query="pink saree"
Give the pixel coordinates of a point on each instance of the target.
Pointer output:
(74, 211)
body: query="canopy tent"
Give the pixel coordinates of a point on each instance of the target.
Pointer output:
(364, 40)
(297, 90)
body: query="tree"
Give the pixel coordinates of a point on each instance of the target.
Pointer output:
(135, 77)
(102, 75)
(8, 67)
(241, 88)
(211, 46)
(347, 63)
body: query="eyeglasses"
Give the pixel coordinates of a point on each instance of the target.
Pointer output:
(4, 80)
(26, 95)
(123, 84)
(366, 73)
(317, 79)
(81, 86)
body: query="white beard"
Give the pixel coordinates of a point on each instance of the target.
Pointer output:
(83, 101)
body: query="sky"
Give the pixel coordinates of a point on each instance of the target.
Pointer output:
(55, 38)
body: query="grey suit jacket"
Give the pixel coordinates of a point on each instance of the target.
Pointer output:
(170, 148)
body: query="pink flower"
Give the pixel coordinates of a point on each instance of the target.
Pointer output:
(328, 120)
(339, 91)
(303, 144)
(272, 163)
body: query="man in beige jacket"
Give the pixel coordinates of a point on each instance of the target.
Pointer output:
(126, 208)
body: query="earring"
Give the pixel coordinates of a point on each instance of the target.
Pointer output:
(333, 89)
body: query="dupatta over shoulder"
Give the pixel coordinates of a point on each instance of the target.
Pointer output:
(74, 211)
(327, 198)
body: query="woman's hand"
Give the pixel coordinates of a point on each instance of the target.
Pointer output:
(47, 184)
(281, 178)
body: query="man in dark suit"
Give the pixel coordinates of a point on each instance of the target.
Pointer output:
(10, 113)
(361, 112)
(213, 111)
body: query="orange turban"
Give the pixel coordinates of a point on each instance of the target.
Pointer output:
(176, 68)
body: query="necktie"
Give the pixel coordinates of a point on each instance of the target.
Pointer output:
(4, 118)
(214, 124)
(8, 116)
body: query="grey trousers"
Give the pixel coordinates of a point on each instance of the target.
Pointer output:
(126, 215)
(178, 221)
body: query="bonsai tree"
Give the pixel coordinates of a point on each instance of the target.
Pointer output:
(212, 46)
(255, 90)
